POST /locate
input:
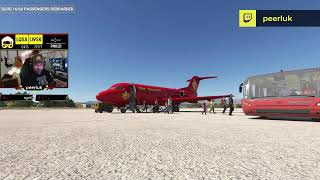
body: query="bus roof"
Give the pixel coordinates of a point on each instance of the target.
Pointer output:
(287, 72)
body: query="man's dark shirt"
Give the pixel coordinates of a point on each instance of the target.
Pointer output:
(34, 79)
(230, 100)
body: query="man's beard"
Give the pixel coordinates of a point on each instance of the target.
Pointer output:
(38, 71)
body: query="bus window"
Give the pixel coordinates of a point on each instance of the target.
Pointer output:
(283, 84)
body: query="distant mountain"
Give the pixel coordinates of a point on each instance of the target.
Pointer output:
(89, 102)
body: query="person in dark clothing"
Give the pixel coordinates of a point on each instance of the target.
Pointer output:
(156, 106)
(36, 75)
(231, 106)
(204, 109)
(224, 105)
(145, 107)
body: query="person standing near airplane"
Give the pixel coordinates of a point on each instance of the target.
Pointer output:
(224, 104)
(156, 106)
(171, 105)
(212, 107)
(170, 108)
(231, 106)
(145, 108)
(204, 109)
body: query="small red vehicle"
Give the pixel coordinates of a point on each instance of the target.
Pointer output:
(283, 94)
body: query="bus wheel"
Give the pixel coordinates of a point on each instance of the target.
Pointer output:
(123, 110)
(109, 110)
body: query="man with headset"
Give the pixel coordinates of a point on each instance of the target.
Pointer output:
(38, 75)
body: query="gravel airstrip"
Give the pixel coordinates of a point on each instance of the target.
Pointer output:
(81, 144)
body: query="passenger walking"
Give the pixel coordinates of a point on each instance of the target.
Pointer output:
(212, 107)
(224, 104)
(204, 109)
(231, 106)
(170, 108)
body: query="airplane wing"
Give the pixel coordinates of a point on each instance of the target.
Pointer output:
(196, 99)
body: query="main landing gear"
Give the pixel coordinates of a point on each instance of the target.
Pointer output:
(123, 110)
(176, 109)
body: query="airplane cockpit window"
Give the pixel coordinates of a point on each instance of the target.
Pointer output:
(117, 88)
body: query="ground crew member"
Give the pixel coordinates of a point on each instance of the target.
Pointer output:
(204, 109)
(212, 106)
(224, 104)
(231, 105)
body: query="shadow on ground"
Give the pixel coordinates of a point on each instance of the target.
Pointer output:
(303, 119)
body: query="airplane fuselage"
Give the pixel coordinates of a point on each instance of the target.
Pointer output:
(118, 94)
(123, 95)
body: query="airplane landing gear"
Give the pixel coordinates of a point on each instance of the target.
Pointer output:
(132, 105)
(123, 110)
(176, 109)
(156, 109)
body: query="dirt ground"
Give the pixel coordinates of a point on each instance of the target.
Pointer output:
(81, 144)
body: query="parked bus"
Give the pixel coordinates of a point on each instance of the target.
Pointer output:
(283, 94)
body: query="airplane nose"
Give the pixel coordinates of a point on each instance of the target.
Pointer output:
(104, 96)
(108, 96)
(100, 96)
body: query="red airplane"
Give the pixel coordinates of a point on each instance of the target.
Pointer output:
(128, 95)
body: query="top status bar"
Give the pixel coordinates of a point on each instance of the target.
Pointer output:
(38, 9)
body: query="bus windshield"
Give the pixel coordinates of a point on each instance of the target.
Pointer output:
(304, 83)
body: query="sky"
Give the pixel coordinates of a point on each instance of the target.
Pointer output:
(166, 42)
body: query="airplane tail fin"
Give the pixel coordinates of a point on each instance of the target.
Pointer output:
(194, 82)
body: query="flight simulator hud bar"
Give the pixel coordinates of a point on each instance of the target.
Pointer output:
(34, 61)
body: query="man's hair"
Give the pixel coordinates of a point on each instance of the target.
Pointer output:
(35, 59)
